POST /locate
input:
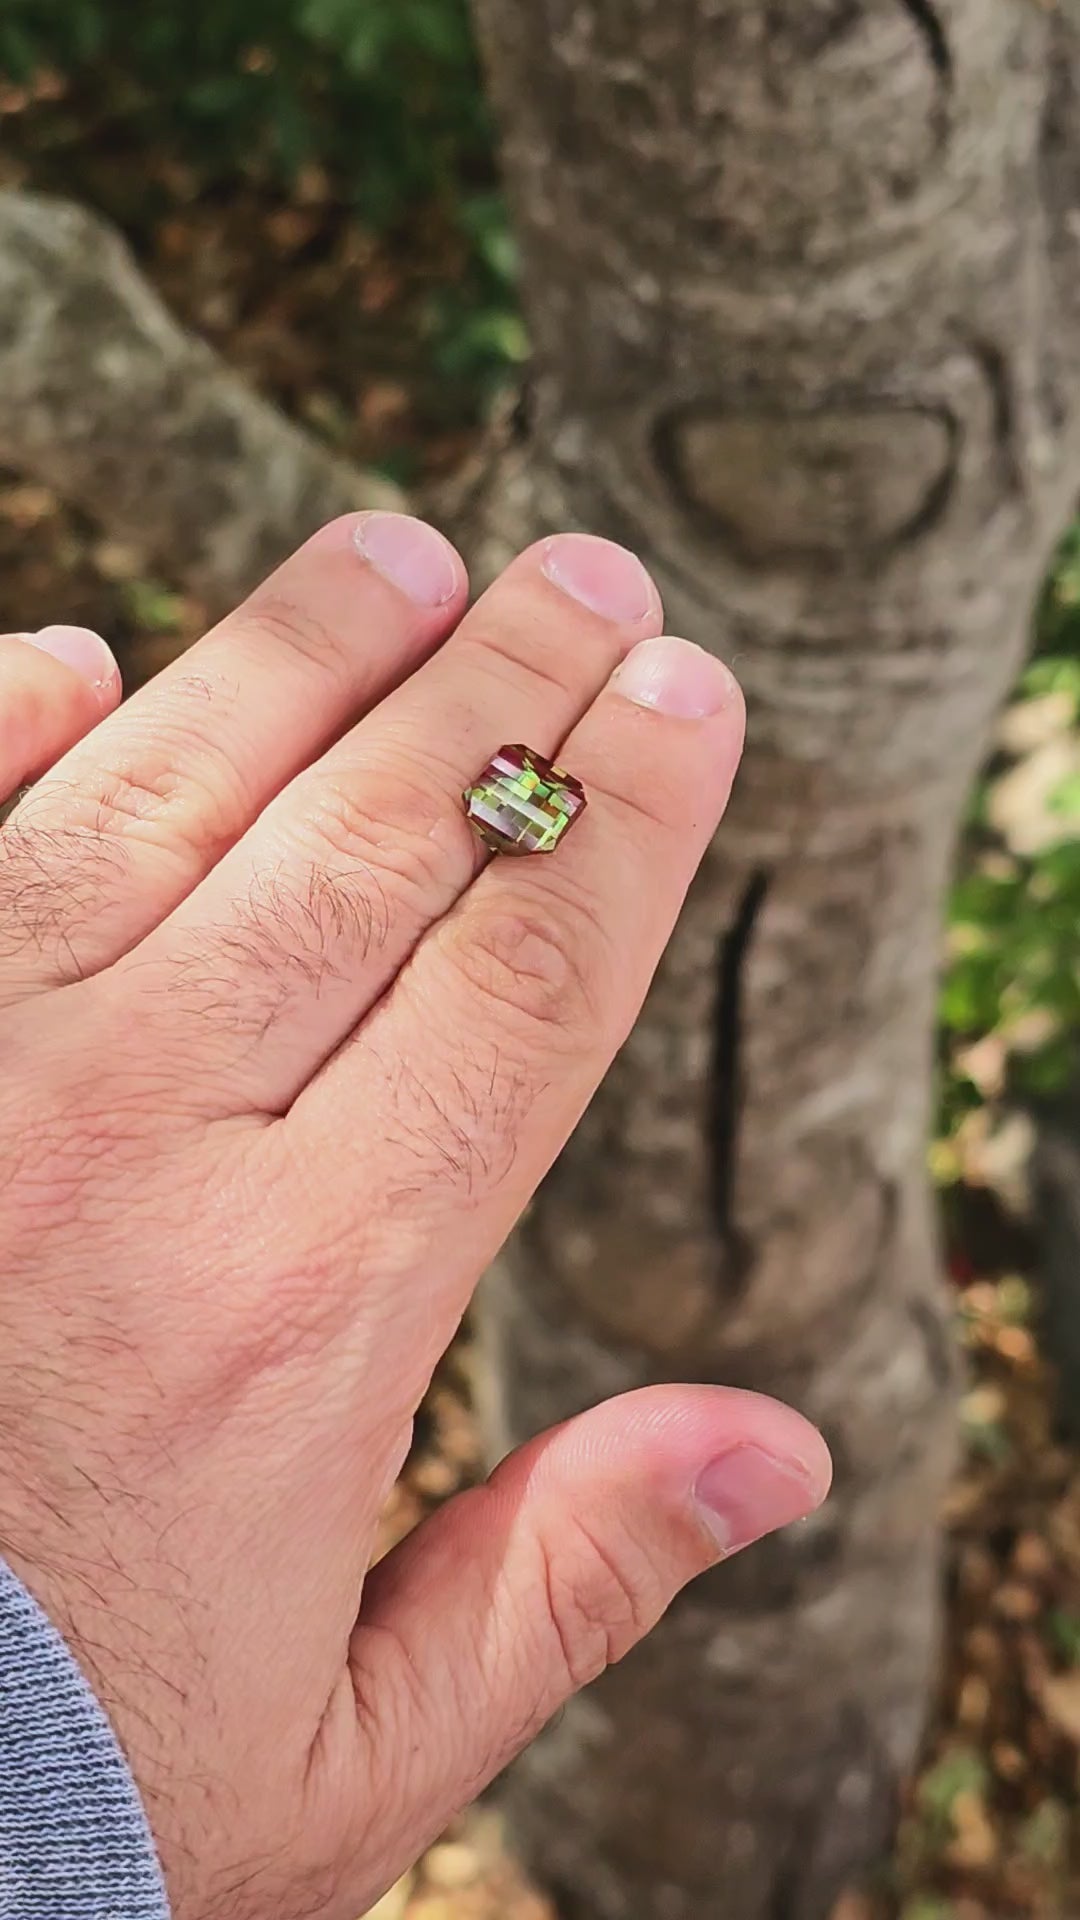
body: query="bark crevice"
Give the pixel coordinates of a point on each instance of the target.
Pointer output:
(728, 1080)
(929, 24)
(994, 366)
(930, 28)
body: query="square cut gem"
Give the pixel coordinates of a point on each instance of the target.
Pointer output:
(522, 803)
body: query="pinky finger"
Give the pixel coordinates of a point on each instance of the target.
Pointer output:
(54, 686)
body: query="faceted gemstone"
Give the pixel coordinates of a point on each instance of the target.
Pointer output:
(522, 803)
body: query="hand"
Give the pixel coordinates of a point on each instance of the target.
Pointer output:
(284, 1056)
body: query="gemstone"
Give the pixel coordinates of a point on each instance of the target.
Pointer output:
(522, 803)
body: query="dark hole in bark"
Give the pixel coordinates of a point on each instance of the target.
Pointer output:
(727, 1083)
(926, 19)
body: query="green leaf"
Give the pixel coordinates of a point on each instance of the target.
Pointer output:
(1044, 1835)
(1066, 798)
(970, 1000)
(1059, 673)
(152, 606)
(20, 57)
(1064, 1630)
(960, 1770)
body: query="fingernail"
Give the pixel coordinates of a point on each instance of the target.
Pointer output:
(747, 1493)
(676, 678)
(411, 555)
(601, 576)
(84, 652)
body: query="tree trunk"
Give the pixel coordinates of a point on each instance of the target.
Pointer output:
(105, 398)
(802, 283)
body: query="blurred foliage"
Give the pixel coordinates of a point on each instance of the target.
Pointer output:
(382, 97)
(1014, 950)
(1065, 1634)
(384, 93)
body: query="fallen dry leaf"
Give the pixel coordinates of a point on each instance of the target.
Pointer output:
(1059, 1696)
(393, 1904)
(449, 1866)
(1020, 805)
(975, 1842)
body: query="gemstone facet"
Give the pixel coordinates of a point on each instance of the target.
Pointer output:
(522, 803)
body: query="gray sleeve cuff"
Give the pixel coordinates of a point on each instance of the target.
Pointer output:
(75, 1843)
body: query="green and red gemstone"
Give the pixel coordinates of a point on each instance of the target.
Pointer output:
(522, 803)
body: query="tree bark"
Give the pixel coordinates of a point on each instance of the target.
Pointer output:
(802, 280)
(112, 404)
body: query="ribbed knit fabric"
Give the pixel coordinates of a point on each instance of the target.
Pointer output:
(74, 1839)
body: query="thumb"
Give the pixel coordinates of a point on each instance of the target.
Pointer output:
(481, 1625)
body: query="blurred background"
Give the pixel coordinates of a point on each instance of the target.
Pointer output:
(311, 187)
